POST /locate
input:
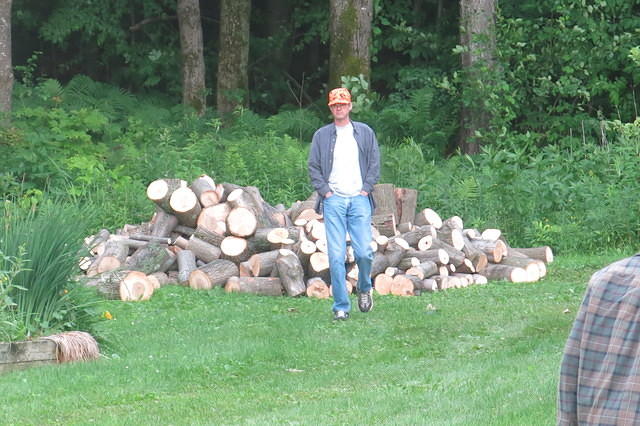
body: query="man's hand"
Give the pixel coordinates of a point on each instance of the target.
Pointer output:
(365, 193)
(328, 194)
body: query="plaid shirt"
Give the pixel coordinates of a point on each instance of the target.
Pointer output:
(600, 371)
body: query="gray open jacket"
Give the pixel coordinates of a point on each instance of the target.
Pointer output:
(321, 159)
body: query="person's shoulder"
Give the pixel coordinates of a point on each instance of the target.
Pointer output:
(360, 126)
(326, 129)
(625, 271)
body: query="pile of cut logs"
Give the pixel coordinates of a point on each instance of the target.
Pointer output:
(207, 234)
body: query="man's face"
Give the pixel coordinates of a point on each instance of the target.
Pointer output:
(340, 111)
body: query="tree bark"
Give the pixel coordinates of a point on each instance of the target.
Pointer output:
(191, 49)
(477, 36)
(212, 274)
(291, 273)
(350, 34)
(233, 58)
(263, 286)
(6, 66)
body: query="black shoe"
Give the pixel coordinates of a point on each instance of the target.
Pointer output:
(340, 316)
(365, 301)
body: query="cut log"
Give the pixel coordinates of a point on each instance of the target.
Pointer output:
(429, 285)
(290, 272)
(262, 286)
(423, 270)
(535, 268)
(249, 197)
(224, 189)
(115, 253)
(505, 272)
(495, 250)
(491, 234)
(203, 250)
(385, 224)
(151, 239)
(163, 224)
(205, 189)
(316, 230)
(151, 258)
(262, 264)
(235, 249)
(184, 230)
(408, 262)
(382, 261)
(385, 200)
(382, 241)
(454, 222)
(317, 288)
(319, 266)
(397, 243)
(186, 265)
(475, 255)
(438, 256)
(305, 208)
(208, 236)
(479, 279)
(392, 271)
(160, 279)
(160, 191)
(241, 222)
(95, 244)
(543, 253)
(406, 201)
(213, 218)
(212, 274)
(404, 227)
(135, 287)
(451, 236)
(428, 217)
(402, 285)
(413, 237)
(425, 242)
(382, 283)
(185, 206)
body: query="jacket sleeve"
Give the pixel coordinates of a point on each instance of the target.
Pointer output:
(315, 167)
(373, 168)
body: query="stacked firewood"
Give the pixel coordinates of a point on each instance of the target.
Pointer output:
(205, 234)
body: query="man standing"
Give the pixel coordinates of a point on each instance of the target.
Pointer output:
(344, 164)
(600, 372)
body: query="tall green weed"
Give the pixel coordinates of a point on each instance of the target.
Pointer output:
(40, 248)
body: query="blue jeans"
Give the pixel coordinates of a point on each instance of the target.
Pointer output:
(352, 214)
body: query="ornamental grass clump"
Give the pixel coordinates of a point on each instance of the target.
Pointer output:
(40, 246)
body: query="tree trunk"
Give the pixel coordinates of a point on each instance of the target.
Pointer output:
(350, 35)
(233, 58)
(191, 49)
(6, 66)
(477, 36)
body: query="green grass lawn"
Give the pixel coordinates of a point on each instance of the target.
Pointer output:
(486, 355)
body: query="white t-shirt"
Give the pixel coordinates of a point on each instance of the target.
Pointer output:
(345, 179)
